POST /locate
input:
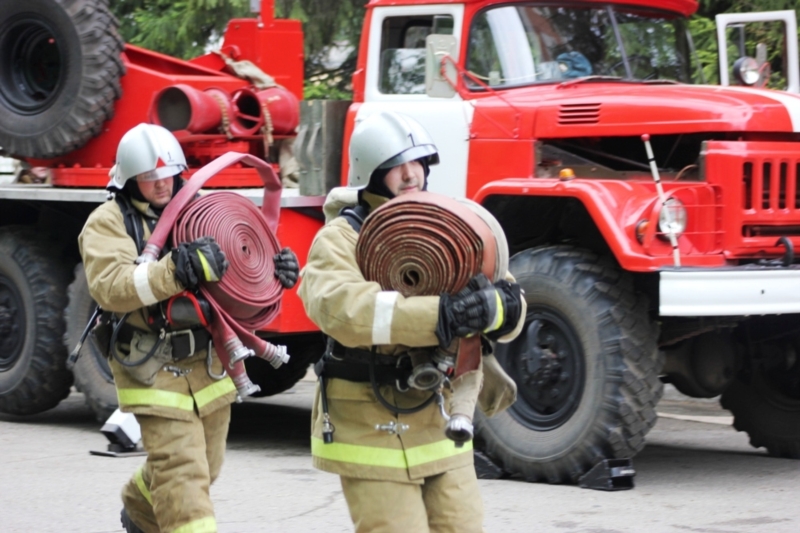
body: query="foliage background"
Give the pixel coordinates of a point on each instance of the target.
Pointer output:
(186, 28)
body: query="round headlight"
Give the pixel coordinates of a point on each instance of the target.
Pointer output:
(746, 70)
(672, 218)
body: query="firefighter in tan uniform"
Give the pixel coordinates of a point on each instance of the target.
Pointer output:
(399, 472)
(170, 378)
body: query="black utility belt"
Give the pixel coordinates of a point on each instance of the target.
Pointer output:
(353, 364)
(185, 342)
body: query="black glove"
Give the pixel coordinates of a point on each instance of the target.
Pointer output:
(198, 261)
(286, 268)
(481, 307)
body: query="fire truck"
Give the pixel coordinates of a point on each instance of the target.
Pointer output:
(652, 219)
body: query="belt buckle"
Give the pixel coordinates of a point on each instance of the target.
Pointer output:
(172, 334)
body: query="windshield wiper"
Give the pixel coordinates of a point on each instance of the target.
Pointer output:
(588, 79)
(661, 81)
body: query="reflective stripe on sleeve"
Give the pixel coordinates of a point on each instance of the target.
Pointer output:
(216, 390)
(162, 398)
(387, 457)
(382, 322)
(203, 525)
(143, 488)
(142, 284)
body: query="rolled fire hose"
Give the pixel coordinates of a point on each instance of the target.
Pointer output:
(424, 244)
(249, 295)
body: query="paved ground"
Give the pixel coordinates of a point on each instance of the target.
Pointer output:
(691, 477)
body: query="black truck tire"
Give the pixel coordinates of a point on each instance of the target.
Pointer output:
(60, 68)
(33, 293)
(766, 406)
(586, 367)
(304, 350)
(92, 373)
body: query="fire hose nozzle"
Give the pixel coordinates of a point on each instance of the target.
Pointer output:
(459, 429)
(276, 355)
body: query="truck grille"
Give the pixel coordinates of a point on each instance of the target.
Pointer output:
(761, 194)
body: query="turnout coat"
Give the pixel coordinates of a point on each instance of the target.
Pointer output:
(359, 314)
(119, 285)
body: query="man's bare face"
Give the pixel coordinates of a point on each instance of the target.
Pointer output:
(405, 178)
(157, 192)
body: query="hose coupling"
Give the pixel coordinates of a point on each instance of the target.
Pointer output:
(425, 377)
(237, 351)
(244, 386)
(276, 355)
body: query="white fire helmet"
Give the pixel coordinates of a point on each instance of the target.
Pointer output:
(384, 140)
(149, 152)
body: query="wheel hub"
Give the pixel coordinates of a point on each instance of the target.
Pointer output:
(548, 369)
(30, 65)
(12, 324)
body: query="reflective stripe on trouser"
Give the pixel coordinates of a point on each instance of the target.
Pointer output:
(391, 458)
(170, 493)
(176, 400)
(444, 503)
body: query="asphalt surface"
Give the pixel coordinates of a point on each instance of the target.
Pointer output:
(697, 474)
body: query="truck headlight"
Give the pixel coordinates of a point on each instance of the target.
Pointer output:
(746, 70)
(672, 218)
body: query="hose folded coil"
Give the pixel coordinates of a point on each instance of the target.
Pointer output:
(426, 244)
(248, 297)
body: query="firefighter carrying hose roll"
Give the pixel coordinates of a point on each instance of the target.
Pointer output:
(397, 456)
(165, 368)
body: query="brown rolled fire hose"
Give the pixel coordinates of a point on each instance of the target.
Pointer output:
(249, 295)
(426, 244)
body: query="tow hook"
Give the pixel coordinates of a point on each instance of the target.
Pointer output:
(788, 255)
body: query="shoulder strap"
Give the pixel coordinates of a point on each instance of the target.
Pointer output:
(134, 226)
(354, 216)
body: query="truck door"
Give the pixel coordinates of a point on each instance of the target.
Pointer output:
(395, 80)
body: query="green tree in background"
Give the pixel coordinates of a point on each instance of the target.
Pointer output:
(179, 28)
(185, 29)
(703, 31)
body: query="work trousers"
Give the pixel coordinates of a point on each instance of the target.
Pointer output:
(444, 503)
(170, 492)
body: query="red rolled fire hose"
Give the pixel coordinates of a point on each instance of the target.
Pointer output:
(426, 244)
(249, 295)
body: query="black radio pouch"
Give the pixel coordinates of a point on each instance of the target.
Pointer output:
(187, 310)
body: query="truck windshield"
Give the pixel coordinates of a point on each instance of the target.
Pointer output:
(510, 46)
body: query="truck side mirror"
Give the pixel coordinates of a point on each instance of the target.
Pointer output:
(436, 48)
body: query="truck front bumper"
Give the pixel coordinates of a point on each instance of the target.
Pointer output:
(729, 292)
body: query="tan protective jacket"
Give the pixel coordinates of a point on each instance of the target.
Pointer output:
(357, 313)
(119, 285)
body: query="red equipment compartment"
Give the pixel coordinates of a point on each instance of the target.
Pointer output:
(296, 228)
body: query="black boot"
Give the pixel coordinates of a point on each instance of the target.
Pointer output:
(127, 523)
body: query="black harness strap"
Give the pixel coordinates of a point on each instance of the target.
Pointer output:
(354, 216)
(134, 225)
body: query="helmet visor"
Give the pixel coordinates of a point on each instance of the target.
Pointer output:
(160, 173)
(413, 153)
